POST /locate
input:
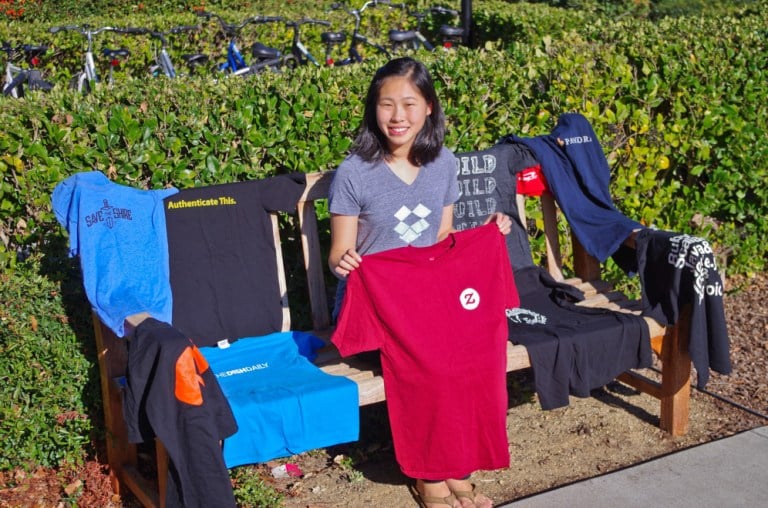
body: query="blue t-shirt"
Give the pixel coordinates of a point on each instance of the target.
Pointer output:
(283, 404)
(119, 234)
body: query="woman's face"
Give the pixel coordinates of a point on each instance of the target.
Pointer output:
(401, 112)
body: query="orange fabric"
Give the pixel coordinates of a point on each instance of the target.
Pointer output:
(190, 364)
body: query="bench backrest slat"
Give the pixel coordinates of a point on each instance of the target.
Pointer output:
(318, 185)
(552, 238)
(281, 280)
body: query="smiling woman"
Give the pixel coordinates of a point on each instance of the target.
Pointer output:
(396, 191)
(398, 154)
(259, 129)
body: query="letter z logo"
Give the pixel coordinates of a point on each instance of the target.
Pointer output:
(469, 299)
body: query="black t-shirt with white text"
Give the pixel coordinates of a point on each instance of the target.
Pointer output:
(488, 184)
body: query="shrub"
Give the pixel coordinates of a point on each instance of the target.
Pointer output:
(48, 372)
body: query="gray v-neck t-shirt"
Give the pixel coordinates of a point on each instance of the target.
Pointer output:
(392, 213)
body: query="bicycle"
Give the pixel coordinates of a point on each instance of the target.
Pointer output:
(335, 39)
(450, 35)
(409, 39)
(114, 57)
(299, 52)
(236, 65)
(16, 76)
(86, 79)
(163, 65)
(413, 39)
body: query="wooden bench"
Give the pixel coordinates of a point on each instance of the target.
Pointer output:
(668, 343)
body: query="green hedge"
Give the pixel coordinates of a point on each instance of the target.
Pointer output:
(49, 387)
(679, 105)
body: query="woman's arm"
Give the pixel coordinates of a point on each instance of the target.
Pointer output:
(343, 257)
(446, 223)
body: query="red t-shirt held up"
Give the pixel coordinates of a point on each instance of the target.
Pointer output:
(438, 316)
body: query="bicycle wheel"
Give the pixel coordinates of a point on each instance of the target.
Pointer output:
(289, 62)
(80, 83)
(16, 87)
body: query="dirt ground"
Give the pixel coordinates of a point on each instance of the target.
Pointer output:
(614, 428)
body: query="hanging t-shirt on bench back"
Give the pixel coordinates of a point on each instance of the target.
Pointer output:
(488, 184)
(222, 257)
(119, 234)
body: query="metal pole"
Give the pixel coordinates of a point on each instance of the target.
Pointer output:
(466, 21)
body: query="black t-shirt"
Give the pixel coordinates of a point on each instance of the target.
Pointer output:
(676, 270)
(573, 349)
(488, 184)
(222, 257)
(172, 395)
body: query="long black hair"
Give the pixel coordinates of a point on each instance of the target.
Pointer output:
(371, 144)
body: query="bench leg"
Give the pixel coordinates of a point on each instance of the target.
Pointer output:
(676, 377)
(122, 456)
(120, 453)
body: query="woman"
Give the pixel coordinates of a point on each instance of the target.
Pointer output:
(397, 188)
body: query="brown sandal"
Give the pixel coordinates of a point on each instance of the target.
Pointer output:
(423, 500)
(470, 495)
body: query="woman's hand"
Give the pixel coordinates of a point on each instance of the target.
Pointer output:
(502, 220)
(343, 257)
(348, 261)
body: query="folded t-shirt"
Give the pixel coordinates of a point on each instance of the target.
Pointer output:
(283, 404)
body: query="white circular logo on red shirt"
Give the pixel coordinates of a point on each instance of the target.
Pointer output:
(469, 299)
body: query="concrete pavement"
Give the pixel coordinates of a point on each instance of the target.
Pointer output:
(729, 472)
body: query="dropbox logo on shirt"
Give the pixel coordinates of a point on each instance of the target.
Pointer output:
(409, 233)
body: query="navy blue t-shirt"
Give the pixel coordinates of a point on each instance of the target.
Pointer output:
(578, 176)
